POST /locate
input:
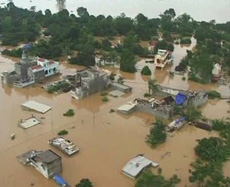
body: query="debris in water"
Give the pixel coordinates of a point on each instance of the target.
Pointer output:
(12, 136)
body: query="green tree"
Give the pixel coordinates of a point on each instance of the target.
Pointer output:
(192, 113)
(148, 179)
(146, 71)
(82, 12)
(127, 61)
(157, 134)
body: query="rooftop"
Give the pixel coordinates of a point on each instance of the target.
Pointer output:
(136, 165)
(48, 156)
(33, 105)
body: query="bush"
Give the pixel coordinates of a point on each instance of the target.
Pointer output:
(183, 78)
(147, 95)
(105, 99)
(84, 183)
(70, 112)
(62, 132)
(213, 94)
(146, 71)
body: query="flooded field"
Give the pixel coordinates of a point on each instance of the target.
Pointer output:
(106, 140)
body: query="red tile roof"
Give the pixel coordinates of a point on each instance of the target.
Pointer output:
(51, 62)
(36, 67)
(42, 60)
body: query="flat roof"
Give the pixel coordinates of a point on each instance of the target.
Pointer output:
(136, 165)
(48, 156)
(39, 107)
(29, 123)
(127, 107)
(116, 93)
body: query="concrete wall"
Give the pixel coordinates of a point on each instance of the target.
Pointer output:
(147, 108)
(54, 167)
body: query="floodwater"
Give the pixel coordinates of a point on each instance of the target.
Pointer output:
(106, 140)
(200, 10)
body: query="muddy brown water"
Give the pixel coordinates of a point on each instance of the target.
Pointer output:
(106, 140)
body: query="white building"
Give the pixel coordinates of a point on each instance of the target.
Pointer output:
(162, 58)
(134, 167)
(50, 67)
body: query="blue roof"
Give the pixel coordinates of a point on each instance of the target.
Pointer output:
(180, 98)
(60, 180)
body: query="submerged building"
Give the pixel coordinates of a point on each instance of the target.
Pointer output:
(48, 163)
(162, 58)
(29, 71)
(89, 81)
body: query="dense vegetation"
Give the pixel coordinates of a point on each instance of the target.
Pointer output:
(212, 154)
(157, 134)
(148, 179)
(80, 37)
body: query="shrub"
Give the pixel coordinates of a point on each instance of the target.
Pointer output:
(84, 183)
(62, 132)
(146, 71)
(183, 78)
(213, 94)
(105, 99)
(70, 112)
(147, 95)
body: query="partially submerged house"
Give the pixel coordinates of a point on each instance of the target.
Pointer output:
(101, 61)
(121, 87)
(36, 106)
(89, 81)
(162, 58)
(160, 109)
(29, 71)
(191, 98)
(30, 122)
(136, 165)
(48, 163)
(66, 146)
